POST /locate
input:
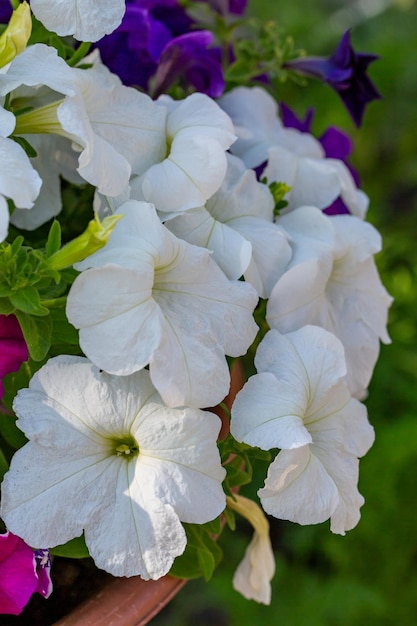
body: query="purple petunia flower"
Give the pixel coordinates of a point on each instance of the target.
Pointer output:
(155, 40)
(6, 11)
(335, 143)
(345, 72)
(13, 348)
(22, 573)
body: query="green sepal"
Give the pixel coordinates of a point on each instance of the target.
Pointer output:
(37, 332)
(75, 549)
(27, 147)
(201, 556)
(53, 242)
(230, 518)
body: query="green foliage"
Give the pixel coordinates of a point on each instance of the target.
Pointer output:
(202, 553)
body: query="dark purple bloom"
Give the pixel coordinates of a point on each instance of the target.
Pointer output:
(6, 10)
(22, 573)
(345, 72)
(189, 56)
(155, 40)
(13, 348)
(335, 143)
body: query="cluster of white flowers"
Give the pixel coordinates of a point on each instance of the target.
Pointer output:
(118, 444)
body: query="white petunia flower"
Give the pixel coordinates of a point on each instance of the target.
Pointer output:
(299, 402)
(292, 157)
(107, 457)
(18, 181)
(87, 20)
(198, 133)
(253, 575)
(148, 297)
(237, 225)
(115, 130)
(332, 281)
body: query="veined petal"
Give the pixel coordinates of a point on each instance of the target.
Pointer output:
(32, 494)
(87, 20)
(298, 488)
(135, 533)
(267, 413)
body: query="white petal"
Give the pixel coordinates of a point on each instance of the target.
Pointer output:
(298, 488)
(253, 574)
(180, 461)
(135, 534)
(42, 482)
(267, 414)
(87, 20)
(18, 180)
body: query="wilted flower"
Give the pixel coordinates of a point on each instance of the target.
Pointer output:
(253, 575)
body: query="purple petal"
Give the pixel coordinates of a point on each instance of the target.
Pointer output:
(6, 10)
(43, 570)
(189, 56)
(18, 578)
(345, 71)
(290, 120)
(13, 348)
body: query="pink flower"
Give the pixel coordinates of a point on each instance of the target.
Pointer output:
(13, 348)
(22, 573)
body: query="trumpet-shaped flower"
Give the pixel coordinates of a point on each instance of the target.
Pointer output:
(87, 20)
(106, 456)
(22, 573)
(299, 402)
(293, 157)
(115, 129)
(345, 71)
(237, 225)
(161, 301)
(332, 281)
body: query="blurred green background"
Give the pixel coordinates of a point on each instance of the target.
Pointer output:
(370, 575)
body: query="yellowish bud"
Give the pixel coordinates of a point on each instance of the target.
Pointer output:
(92, 239)
(14, 39)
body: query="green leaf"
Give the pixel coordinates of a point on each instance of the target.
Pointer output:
(201, 556)
(37, 332)
(6, 307)
(63, 333)
(27, 300)
(75, 549)
(54, 239)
